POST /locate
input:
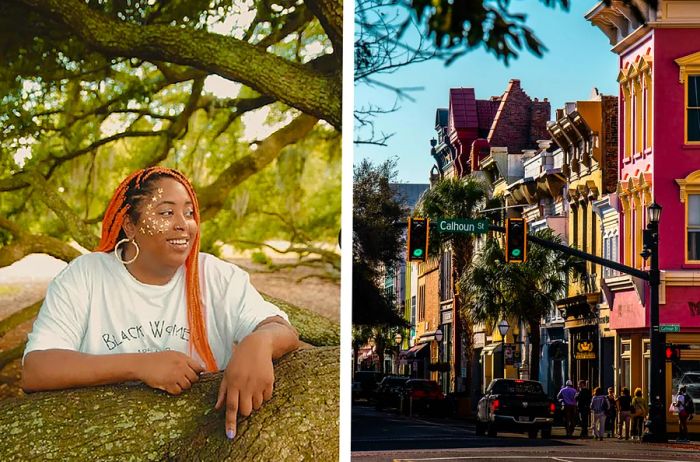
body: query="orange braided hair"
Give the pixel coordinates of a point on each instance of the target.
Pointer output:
(119, 206)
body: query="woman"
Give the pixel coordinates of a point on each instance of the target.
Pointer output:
(147, 306)
(599, 407)
(641, 409)
(685, 407)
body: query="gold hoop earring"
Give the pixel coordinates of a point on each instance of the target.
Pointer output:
(119, 257)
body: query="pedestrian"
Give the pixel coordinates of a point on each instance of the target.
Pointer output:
(624, 405)
(583, 403)
(567, 397)
(640, 409)
(146, 305)
(611, 414)
(599, 406)
(686, 408)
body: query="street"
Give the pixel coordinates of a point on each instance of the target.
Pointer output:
(385, 436)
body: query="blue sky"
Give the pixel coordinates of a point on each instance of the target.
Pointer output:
(578, 59)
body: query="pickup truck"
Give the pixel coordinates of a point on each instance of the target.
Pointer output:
(516, 406)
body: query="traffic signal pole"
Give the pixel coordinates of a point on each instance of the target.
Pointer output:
(582, 255)
(657, 388)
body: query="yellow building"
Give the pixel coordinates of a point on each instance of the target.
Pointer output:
(586, 133)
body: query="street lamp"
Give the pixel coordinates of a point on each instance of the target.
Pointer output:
(398, 339)
(503, 327)
(438, 339)
(657, 388)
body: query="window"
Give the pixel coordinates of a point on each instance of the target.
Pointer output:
(446, 276)
(413, 310)
(693, 228)
(693, 108)
(625, 364)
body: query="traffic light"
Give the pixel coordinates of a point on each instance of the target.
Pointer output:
(516, 240)
(672, 352)
(418, 239)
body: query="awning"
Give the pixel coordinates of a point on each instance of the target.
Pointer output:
(491, 348)
(413, 352)
(427, 337)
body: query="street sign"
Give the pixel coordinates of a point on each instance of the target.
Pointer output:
(669, 327)
(456, 225)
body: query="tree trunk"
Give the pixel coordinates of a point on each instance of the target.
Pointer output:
(134, 422)
(313, 328)
(380, 346)
(534, 348)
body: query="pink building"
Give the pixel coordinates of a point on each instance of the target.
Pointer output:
(659, 160)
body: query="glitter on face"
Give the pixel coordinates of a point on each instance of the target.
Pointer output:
(154, 225)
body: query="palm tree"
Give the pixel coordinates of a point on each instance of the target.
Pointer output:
(455, 198)
(525, 291)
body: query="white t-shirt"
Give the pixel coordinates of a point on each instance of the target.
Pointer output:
(96, 306)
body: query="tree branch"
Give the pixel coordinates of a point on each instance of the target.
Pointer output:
(77, 229)
(128, 421)
(295, 21)
(330, 15)
(295, 84)
(36, 243)
(211, 197)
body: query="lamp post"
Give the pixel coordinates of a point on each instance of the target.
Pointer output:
(503, 327)
(398, 339)
(657, 388)
(438, 339)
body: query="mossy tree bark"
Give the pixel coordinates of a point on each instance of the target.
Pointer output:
(134, 422)
(304, 87)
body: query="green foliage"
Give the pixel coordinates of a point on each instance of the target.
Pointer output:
(452, 198)
(260, 258)
(527, 291)
(84, 120)
(377, 241)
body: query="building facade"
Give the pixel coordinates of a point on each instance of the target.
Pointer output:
(586, 132)
(659, 134)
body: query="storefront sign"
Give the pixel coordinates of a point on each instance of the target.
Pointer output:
(479, 340)
(584, 349)
(446, 317)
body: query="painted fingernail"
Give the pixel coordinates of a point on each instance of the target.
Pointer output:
(230, 434)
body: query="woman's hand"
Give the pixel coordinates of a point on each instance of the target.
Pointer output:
(170, 371)
(248, 379)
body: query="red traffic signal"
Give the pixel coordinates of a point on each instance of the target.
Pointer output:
(672, 352)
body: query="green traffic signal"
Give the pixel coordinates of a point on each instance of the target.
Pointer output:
(516, 240)
(417, 239)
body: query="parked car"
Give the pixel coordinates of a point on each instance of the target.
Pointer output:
(515, 405)
(389, 390)
(364, 384)
(421, 395)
